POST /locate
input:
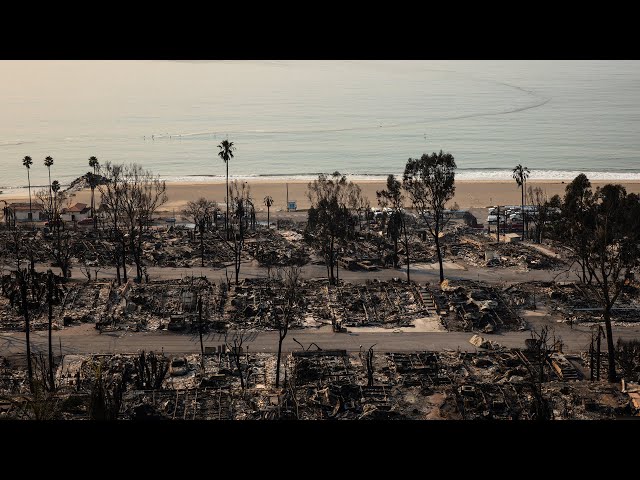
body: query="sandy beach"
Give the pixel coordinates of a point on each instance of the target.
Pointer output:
(469, 194)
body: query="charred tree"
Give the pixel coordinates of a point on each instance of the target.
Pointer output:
(25, 311)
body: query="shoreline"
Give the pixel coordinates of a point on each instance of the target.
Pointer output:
(469, 193)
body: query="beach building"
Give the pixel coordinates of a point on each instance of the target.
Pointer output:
(78, 212)
(22, 213)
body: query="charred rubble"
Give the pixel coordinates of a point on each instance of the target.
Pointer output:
(502, 384)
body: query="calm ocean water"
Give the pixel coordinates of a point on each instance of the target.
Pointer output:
(293, 119)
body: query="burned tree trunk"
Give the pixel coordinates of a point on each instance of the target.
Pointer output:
(437, 240)
(395, 252)
(406, 247)
(124, 258)
(117, 262)
(200, 331)
(370, 366)
(25, 311)
(202, 243)
(236, 355)
(235, 350)
(50, 304)
(610, 347)
(280, 340)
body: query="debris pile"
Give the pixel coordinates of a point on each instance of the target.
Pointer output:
(171, 304)
(181, 247)
(475, 306)
(579, 303)
(278, 248)
(231, 383)
(374, 303)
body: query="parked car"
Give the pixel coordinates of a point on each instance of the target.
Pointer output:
(178, 367)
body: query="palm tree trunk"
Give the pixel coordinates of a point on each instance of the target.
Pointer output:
(50, 196)
(522, 208)
(30, 212)
(49, 301)
(226, 219)
(23, 293)
(268, 223)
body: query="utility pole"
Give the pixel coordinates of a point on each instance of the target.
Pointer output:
(287, 197)
(591, 358)
(598, 353)
(498, 223)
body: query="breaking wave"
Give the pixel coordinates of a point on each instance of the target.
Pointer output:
(496, 175)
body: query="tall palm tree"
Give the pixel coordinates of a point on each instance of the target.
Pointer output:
(226, 153)
(47, 163)
(55, 186)
(27, 162)
(520, 175)
(93, 163)
(268, 201)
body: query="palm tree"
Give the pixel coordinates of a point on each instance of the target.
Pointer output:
(55, 186)
(93, 163)
(520, 175)
(226, 153)
(47, 163)
(268, 201)
(27, 162)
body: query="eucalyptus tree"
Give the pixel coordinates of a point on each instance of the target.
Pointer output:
(393, 198)
(329, 221)
(575, 226)
(613, 251)
(430, 183)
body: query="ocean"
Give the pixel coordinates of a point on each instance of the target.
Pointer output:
(295, 119)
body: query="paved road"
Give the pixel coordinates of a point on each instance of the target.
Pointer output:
(419, 273)
(84, 339)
